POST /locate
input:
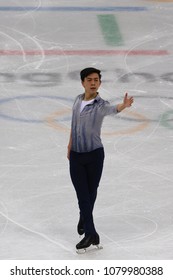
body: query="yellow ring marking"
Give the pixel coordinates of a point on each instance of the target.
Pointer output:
(134, 129)
(50, 120)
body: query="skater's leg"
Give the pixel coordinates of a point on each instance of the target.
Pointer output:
(79, 179)
(80, 226)
(94, 169)
(94, 172)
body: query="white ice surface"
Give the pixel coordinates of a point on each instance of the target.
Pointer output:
(38, 206)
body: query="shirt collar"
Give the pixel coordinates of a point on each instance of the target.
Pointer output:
(96, 99)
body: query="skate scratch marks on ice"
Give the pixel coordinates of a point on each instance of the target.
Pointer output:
(38, 233)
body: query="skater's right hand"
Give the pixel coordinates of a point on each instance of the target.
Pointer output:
(68, 154)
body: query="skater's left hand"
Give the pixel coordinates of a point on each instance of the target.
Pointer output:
(127, 101)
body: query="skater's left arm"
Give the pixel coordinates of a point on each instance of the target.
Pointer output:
(127, 102)
(69, 145)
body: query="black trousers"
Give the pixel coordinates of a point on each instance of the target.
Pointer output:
(86, 170)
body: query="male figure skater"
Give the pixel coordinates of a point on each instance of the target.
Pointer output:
(85, 149)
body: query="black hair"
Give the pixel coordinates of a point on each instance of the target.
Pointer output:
(88, 71)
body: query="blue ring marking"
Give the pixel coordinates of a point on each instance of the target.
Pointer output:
(7, 117)
(73, 9)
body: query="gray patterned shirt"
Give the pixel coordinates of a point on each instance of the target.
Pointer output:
(86, 125)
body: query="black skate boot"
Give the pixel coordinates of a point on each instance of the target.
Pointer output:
(87, 241)
(80, 227)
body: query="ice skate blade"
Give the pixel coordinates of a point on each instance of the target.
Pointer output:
(89, 249)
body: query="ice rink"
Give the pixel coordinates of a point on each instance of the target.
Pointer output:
(43, 46)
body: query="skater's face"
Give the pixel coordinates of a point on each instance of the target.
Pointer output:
(91, 83)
